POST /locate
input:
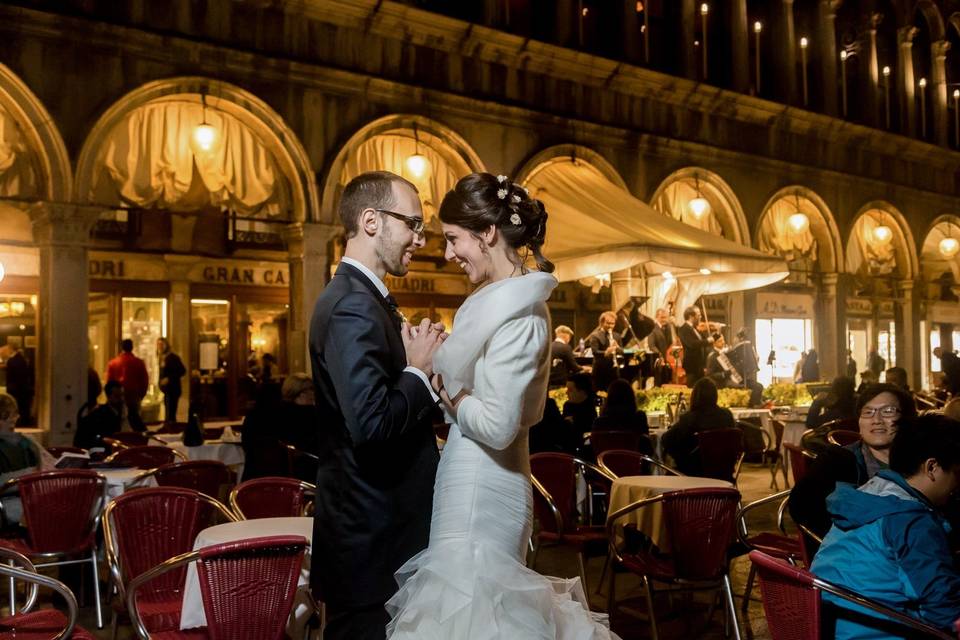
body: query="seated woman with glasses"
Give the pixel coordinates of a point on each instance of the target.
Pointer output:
(880, 409)
(19, 455)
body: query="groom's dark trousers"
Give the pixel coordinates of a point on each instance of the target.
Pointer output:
(378, 456)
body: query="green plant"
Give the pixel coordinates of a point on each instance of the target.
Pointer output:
(559, 396)
(657, 398)
(787, 394)
(733, 398)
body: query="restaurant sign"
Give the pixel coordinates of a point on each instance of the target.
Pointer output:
(426, 283)
(861, 307)
(155, 268)
(784, 305)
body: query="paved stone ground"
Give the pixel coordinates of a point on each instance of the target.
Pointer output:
(679, 619)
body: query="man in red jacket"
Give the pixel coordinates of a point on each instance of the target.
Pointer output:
(131, 372)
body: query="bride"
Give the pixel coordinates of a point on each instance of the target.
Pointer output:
(491, 373)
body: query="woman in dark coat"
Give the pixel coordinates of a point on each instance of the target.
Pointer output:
(619, 411)
(680, 440)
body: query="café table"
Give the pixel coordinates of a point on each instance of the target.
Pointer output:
(122, 480)
(192, 614)
(229, 453)
(649, 519)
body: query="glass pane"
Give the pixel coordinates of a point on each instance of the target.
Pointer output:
(787, 338)
(18, 351)
(887, 343)
(934, 344)
(762, 332)
(210, 320)
(857, 343)
(264, 329)
(144, 320)
(102, 345)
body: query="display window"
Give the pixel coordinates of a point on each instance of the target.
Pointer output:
(781, 343)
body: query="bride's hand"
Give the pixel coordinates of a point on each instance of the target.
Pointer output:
(436, 382)
(452, 404)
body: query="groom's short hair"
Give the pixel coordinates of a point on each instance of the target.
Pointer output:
(370, 190)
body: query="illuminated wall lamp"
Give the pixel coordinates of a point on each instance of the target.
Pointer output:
(204, 135)
(699, 206)
(417, 164)
(882, 233)
(949, 247)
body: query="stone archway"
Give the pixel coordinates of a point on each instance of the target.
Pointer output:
(821, 226)
(725, 214)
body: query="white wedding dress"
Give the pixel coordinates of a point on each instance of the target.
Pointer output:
(471, 582)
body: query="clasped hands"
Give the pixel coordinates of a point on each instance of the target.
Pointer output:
(421, 342)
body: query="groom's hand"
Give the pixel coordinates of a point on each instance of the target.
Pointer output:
(420, 344)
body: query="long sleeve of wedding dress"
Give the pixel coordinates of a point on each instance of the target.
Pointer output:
(471, 583)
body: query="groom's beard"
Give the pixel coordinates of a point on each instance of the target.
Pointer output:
(390, 252)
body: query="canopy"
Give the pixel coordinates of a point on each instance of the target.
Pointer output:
(597, 227)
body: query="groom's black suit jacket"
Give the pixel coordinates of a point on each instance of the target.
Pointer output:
(378, 453)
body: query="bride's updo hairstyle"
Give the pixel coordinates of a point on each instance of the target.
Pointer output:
(481, 199)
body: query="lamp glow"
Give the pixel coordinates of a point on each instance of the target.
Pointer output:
(882, 233)
(667, 275)
(956, 93)
(3, 272)
(699, 207)
(886, 72)
(949, 247)
(923, 83)
(803, 43)
(418, 165)
(799, 222)
(843, 55)
(705, 271)
(204, 135)
(757, 26)
(704, 9)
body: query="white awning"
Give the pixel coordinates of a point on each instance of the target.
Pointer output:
(597, 227)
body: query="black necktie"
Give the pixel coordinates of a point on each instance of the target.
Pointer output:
(394, 310)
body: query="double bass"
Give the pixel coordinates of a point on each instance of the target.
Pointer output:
(674, 356)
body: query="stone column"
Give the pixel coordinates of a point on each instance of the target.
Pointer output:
(566, 23)
(740, 46)
(941, 125)
(908, 355)
(830, 346)
(830, 75)
(689, 55)
(61, 233)
(785, 51)
(870, 89)
(308, 245)
(178, 270)
(908, 91)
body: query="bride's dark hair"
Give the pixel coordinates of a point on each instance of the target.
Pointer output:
(480, 200)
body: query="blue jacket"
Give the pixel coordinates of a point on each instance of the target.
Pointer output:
(888, 544)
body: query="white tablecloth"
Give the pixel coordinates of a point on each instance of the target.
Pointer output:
(649, 519)
(121, 480)
(192, 614)
(230, 454)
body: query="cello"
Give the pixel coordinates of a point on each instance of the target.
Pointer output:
(674, 356)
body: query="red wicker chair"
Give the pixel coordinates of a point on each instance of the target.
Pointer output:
(127, 439)
(43, 624)
(604, 440)
(777, 545)
(791, 603)
(620, 463)
(800, 460)
(700, 524)
(170, 518)
(148, 457)
(843, 437)
(205, 476)
(721, 452)
(62, 509)
(270, 497)
(554, 478)
(229, 573)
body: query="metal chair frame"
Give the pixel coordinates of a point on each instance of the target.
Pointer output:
(51, 556)
(685, 585)
(739, 461)
(642, 457)
(305, 487)
(743, 534)
(832, 437)
(856, 598)
(176, 454)
(28, 573)
(153, 472)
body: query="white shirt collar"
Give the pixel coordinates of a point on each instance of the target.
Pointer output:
(377, 282)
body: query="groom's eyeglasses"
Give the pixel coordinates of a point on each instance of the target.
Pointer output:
(415, 224)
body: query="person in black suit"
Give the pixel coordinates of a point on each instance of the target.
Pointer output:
(605, 343)
(562, 362)
(661, 340)
(378, 454)
(695, 345)
(104, 421)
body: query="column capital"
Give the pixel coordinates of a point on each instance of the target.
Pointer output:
(62, 223)
(905, 287)
(830, 7)
(905, 35)
(305, 238)
(873, 20)
(829, 279)
(939, 49)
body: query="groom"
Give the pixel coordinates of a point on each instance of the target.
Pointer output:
(378, 453)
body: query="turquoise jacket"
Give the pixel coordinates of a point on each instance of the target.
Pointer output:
(888, 544)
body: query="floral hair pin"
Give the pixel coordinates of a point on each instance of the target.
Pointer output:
(501, 178)
(515, 219)
(502, 194)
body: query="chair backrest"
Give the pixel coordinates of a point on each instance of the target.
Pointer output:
(28, 574)
(62, 508)
(270, 497)
(790, 601)
(701, 525)
(721, 451)
(799, 460)
(205, 476)
(621, 462)
(147, 457)
(756, 441)
(124, 439)
(170, 519)
(56, 452)
(605, 440)
(556, 473)
(248, 586)
(843, 437)
(778, 429)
